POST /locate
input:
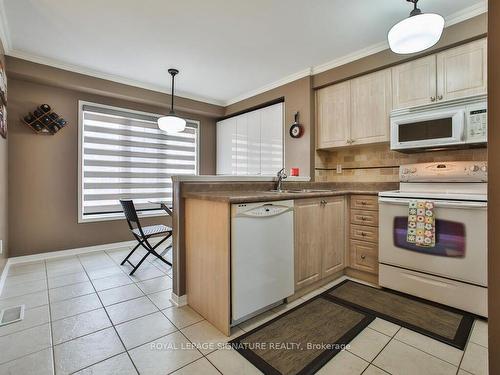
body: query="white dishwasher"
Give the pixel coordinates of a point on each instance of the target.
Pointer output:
(262, 266)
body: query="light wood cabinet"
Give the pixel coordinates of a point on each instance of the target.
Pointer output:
(414, 83)
(355, 111)
(454, 73)
(363, 245)
(333, 236)
(371, 105)
(319, 239)
(333, 114)
(462, 71)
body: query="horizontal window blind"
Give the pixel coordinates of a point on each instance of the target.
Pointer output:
(126, 156)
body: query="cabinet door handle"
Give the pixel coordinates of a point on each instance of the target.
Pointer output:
(349, 141)
(440, 97)
(433, 98)
(363, 218)
(363, 234)
(363, 203)
(363, 256)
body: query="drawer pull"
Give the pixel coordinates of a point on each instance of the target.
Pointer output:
(363, 256)
(363, 234)
(364, 218)
(363, 203)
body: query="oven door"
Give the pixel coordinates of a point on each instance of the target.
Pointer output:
(428, 129)
(460, 252)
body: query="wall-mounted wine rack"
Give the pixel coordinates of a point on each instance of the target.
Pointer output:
(43, 120)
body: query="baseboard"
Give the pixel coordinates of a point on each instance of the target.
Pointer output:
(64, 253)
(178, 301)
(75, 251)
(3, 276)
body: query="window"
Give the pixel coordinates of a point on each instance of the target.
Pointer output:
(123, 154)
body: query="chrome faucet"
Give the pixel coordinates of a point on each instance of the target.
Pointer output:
(281, 176)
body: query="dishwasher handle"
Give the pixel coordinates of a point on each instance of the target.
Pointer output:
(264, 211)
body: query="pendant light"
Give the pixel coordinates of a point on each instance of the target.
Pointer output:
(417, 32)
(172, 123)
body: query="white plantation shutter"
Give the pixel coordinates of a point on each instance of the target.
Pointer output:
(125, 156)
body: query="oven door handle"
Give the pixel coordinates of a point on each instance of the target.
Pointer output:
(437, 203)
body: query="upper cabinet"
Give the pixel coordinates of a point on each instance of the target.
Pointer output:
(252, 143)
(333, 114)
(455, 73)
(414, 83)
(371, 104)
(355, 111)
(358, 111)
(461, 71)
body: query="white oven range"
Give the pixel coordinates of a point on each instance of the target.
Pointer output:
(454, 271)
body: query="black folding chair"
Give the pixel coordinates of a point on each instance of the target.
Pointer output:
(142, 234)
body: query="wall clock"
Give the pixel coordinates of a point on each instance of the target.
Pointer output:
(296, 130)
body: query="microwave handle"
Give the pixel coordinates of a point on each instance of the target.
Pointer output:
(447, 204)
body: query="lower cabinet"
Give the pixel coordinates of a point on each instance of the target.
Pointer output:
(319, 239)
(363, 245)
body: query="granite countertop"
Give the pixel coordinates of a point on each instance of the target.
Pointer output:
(264, 196)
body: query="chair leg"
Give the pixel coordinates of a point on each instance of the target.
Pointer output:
(138, 264)
(129, 254)
(153, 249)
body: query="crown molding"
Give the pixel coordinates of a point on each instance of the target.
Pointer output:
(4, 29)
(466, 13)
(110, 77)
(356, 55)
(270, 86)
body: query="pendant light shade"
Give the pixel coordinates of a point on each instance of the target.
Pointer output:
(172, 123)
(416, 33)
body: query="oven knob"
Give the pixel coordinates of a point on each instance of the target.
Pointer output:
(413, 170)
(405, 171)
(474, 168)
(484, 168)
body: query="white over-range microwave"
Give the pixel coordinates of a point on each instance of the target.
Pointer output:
(458, 123)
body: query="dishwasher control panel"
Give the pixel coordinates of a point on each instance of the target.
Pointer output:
(262, 209)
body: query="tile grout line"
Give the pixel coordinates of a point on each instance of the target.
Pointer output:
(112, 324)
(432, 355)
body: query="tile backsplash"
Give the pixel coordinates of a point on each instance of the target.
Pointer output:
(377, 163)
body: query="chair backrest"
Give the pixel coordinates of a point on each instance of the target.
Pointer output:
(130, 214)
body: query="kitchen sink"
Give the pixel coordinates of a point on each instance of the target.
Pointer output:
(300, 191)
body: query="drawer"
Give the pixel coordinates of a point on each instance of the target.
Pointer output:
(364, 233)
(364, 256)
(364, 202)
(362, 217)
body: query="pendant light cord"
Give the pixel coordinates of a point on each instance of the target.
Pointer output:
(172, 72)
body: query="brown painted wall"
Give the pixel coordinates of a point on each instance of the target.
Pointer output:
(3, 189)
(494, 185)
(299, 152)
(43, 172)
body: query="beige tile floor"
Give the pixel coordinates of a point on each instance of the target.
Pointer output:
(85, 315)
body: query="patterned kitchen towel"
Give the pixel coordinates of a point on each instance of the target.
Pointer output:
(421, 224)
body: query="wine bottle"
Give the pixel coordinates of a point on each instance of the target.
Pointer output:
(44, 108)
(38, 113)
(29, 118)
(54, 116)
(46, 120)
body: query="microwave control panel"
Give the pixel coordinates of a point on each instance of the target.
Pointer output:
(477, 129)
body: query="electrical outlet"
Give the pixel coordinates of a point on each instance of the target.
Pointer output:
(339, 168)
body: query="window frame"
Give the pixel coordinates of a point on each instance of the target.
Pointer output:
(118, 216)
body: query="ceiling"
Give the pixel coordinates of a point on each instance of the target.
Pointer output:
(226, 49)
